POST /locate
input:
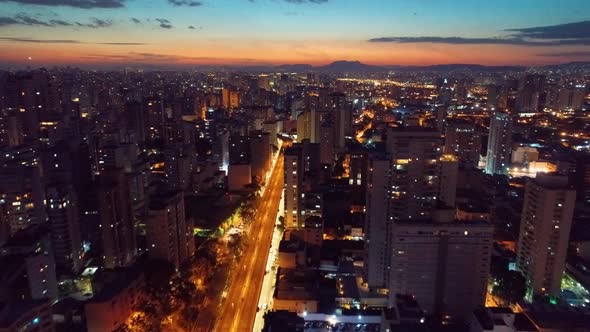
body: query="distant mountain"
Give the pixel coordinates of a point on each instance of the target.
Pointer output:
(357, 66)
(349, 66)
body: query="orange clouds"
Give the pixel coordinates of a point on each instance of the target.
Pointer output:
(254, 52)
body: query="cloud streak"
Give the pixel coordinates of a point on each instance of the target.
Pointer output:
(143, 58)
(83, 4)
(96, 23)
(185, 3)
(576, 30)
(164, 23)
(4, 21)
(577, 33)
(480, 41)
(300, 2)
(63, 41)
(24, 19)
(306, 1)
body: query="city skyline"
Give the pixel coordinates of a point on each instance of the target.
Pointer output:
(184, 33)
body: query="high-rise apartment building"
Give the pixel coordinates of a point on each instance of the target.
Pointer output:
(261, 154)
(581, 178)
(327, 143)
(28, 266)
(64, 224)
(404, 184)
(308, 126)
(179, 161)
(544, 233)
(570, 98)
(499, 144)
(342, 115)
(377, 223)
(415, 175)
(118, 243)
(168, 233)
(445, 265)
(294, 169)
(239, 150)
(230, 98)
(463, 141)
(449, 169)
(21, 188)
(300, 160)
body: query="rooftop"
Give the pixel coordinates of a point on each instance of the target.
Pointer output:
(11, 312)
(115, 281)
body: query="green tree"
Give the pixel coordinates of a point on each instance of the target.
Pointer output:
(511, 286)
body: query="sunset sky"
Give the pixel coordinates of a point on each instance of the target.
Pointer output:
(99, 33)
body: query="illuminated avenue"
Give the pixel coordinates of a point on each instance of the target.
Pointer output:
(241, 304)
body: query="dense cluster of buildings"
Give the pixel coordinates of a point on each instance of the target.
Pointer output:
(402, 191)
(96, 175)
(440, 179)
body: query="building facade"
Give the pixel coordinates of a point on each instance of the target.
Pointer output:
(545, 225)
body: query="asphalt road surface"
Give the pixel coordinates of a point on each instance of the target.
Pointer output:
(238, 312)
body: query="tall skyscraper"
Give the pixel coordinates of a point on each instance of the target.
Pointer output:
(581, 178)
(499, 143)
(230, 98)
(300, 159)
(179, 161)
(529, 97)
(261, 154)
(544, 233)
(21, 188)
(570, 98)
(342, 119)
(327, 143)
(294, 169)
(135, 118)
(497, 97)
(463, 141)
(168, 235)
(64, 224)
(303, 126)
(308, 126)
(378, 226)
(11, 132)
(415, 175)
(118, 244)
(449, 169)
(239, 150)
(404, 184)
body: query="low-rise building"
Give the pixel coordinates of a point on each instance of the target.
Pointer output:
(111, 307)
(296, 291)
(500, 320)
(26, 316)
(283, 321)
(557, 318)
